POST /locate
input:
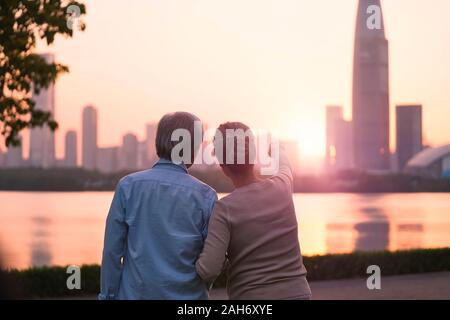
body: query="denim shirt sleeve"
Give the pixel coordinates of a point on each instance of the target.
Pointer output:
(114, 247)
(209, 206)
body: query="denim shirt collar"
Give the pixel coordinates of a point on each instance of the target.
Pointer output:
(167, 164)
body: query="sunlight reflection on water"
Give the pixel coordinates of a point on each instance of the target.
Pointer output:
(67, 228)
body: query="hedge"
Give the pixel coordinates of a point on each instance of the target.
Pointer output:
(48, 282)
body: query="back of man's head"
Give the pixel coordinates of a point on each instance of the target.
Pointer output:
(172, 122)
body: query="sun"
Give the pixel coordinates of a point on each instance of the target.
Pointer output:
(311, 143)
(309, 148)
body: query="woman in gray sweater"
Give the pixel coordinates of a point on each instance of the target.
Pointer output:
(255, 227)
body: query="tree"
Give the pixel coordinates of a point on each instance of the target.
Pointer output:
(22, 72)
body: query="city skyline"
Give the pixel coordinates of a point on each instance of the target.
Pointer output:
(298, 120)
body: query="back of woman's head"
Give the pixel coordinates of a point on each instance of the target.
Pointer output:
(234, 147)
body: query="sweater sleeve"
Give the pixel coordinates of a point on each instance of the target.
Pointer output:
(211, 261)
(284, 173)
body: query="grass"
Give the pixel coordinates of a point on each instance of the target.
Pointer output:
(51, 281)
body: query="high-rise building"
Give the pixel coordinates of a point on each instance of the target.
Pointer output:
(70, 153)
(334, 114)
(371, 89)
(2, 158)
(409, 133)
(339, 140)
(89, 139)
(13, 156)
(42, 139)
(344, 145)
(143, 162)
(108, 159)
(129, 152)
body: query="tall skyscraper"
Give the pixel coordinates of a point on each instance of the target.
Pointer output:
(143, 162)
(371, 89)
(13, 156)
(89, 143)
(108, 159)
(70, 153)
(409, 133)
(339, 140)
(334, 114)
(2, 158)
(129, 152)
(42, 140)
(344, 145)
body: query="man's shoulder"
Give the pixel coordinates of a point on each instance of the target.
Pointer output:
(201, 186)
(131, 177)
(186, 180)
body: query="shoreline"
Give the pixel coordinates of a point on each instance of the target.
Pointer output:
(78, 180)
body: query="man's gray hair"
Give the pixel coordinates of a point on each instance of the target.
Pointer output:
(167, 125)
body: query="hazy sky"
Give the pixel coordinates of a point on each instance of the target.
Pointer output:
(272, 64)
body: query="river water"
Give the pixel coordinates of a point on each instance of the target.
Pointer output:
(56, 228)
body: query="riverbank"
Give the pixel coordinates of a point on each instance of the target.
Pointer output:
(51, 281)
(77, 179)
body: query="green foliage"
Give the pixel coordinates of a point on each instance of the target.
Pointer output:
(23, 23)
(51, 281)
(353, 265)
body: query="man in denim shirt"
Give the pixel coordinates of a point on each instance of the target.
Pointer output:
(156, 226)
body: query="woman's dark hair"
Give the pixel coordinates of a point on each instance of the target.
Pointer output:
(234, 146)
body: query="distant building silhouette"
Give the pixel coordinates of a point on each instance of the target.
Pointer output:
(13, 157)
(131, 155)
(344, 145)
(150, 137)
(129, 152)
(409, 133)
(108, 159)
(334, 113)
(431, 162)
(143, 161)
(370, 93)
(42, 140)
(339, 140)
(89, 143)
(70, 154)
